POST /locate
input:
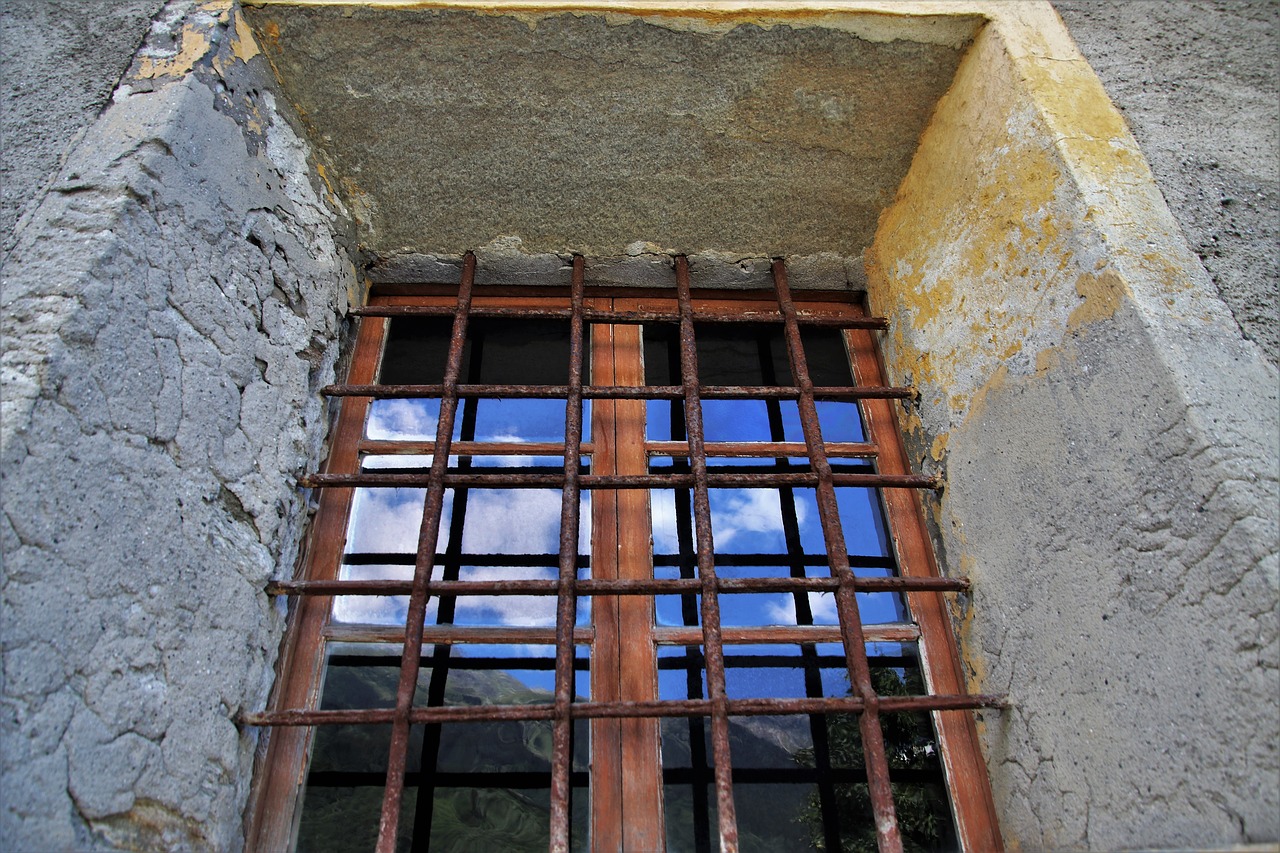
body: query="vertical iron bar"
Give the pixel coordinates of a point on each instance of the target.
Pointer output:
(855, 649)
(566, 604)
(711, 639)
(410, 659)
(804, 612)
(445, 609)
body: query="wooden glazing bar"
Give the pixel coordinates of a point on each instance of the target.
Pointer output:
(427, 536)
(566, 603)
(760, 449)
(711, 639)
(383, 447)
(887, 834)
(691, 636)
(454, 634)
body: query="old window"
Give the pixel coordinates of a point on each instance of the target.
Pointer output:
(619, 570)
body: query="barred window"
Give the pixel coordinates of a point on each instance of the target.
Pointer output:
(619, 569)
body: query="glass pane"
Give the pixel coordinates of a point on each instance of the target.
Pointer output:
(496, 351)
(799, 781)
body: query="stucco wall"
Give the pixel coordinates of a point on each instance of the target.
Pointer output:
(169, 310)
(1109, 444)
(1199, 84)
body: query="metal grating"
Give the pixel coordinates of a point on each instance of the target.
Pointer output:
(704, 630)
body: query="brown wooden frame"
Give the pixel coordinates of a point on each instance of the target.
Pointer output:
(626, 786)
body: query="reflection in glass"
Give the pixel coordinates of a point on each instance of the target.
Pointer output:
(490, 780)
(799, 781)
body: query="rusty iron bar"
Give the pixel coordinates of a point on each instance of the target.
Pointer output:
(601, 710)
(666, 586)
(374, 479)
(711, 638)
(892, 632)
(598, 315)
(888, 836)
(715, 449)
(567, 601)
(622, 392)
(432, 511)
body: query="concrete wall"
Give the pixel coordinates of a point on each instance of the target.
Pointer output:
(171, 300)
(1199, 84)
(170, 308)
(1109, 441)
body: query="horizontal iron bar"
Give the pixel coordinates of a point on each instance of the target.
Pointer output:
(597, 315)
(718, 449)
(670, 586)
(615, 710)
(621, 392)
(474, 479)
(893, 632)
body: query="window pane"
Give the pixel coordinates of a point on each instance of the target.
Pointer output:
(799, 780)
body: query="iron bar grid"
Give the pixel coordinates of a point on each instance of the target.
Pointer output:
(708, 632)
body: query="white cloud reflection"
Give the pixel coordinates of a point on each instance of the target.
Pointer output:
(498, 521)
(782, 610)
(742, 520)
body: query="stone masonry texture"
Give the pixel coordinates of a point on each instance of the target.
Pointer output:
(170, 310)
(172, 290)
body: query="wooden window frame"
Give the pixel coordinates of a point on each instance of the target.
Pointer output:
(626, 772)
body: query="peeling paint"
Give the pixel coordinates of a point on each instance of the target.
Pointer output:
(243, 44)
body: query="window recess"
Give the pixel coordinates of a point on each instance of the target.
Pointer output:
(619, 570)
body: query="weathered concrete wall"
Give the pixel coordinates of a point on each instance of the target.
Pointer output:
(1110, 446)
(763, 136)
(169, 310)
(1199, 84)
(59, 62)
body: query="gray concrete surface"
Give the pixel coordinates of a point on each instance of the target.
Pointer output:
(169, 311)
(59, 62)
(583, 133)
(1199, 84)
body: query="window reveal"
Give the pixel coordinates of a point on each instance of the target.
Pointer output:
(704, 424)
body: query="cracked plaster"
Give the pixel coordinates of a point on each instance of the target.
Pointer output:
(170, 309)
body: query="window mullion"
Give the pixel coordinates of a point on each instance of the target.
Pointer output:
(967, 782)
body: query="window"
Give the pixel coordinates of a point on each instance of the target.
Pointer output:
(619, 570)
